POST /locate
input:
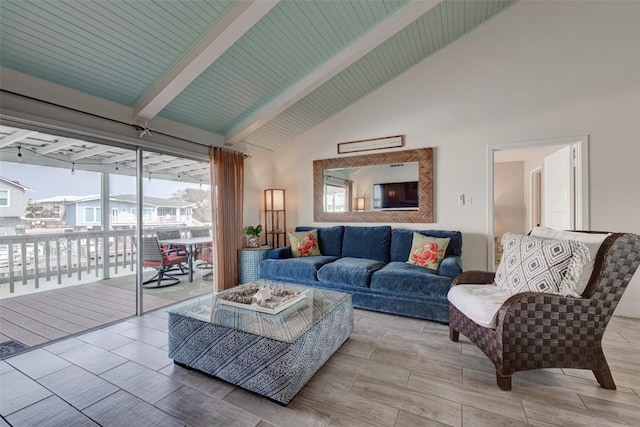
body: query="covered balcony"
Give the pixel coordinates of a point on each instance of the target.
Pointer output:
(68, 230)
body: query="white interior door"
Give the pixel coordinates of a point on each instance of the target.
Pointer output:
(558, 190)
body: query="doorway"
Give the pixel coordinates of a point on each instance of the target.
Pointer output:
(526, 190)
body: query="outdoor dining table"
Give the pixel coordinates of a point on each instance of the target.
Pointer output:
(190, 244)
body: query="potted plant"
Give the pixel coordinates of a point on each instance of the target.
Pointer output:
(254, 235)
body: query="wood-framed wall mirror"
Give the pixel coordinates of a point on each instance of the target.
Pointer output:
(397, 187)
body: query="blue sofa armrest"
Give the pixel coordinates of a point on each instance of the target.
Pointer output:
(450, 266)
(280, 253)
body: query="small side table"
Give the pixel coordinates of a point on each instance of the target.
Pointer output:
(249, 261)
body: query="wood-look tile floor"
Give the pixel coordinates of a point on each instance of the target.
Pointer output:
(393, 371)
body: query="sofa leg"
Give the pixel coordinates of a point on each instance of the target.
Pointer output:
(453, 334)
(605, 379)
(503, 381)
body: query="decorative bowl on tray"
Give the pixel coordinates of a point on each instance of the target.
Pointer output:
(263, 298)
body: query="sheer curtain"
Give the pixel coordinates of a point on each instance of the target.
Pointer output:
(227, 190)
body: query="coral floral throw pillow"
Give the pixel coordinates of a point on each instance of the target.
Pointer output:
(304, 243)
(427, 251)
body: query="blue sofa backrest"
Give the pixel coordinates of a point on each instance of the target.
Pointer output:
(329, 239)
(401, 241)
(367, 242)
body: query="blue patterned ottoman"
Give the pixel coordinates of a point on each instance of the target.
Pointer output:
(271, 354)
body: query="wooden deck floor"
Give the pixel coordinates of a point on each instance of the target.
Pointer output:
(42, 317)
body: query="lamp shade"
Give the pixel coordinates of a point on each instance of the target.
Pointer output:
(360, 203)
(274, 199)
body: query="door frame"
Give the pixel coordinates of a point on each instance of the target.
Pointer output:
(535, 195)
(581, 145)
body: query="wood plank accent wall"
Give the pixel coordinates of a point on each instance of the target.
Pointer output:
(425, 212)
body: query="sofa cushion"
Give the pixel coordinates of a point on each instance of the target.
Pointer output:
(450, 267)
(304, 243)
(540, 265)
(401, 241)
(373, 243)
(349, 271)
(329, 239)
(280, 253)
(427, 251)
(304, 268)
(480, 303)
(593, 241)
(401, 277)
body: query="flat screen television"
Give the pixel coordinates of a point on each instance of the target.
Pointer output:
(395, 195)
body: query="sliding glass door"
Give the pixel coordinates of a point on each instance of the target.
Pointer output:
(69, 236)
(177, 215)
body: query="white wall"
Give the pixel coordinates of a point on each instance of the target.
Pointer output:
(258, 176)
(539, 70)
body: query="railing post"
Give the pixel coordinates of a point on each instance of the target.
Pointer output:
(79, 258)
(47, 260)
(23, 261)
(36, 267)
(58, 263)
(106, 216)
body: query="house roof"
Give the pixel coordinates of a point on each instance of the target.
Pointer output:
(250, 72)
(55, 199)
(154, 201)
(14, 183)
(148, 201)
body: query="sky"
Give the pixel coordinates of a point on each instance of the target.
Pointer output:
(46, 182)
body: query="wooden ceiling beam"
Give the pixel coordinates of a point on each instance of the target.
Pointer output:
(240, 19)
(365, 44)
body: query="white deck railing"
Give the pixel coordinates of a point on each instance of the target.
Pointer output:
(54, 256)
(65, 257)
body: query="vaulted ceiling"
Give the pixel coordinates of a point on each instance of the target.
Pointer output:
(254, 72)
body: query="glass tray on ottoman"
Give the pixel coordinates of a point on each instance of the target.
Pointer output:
(275, 303)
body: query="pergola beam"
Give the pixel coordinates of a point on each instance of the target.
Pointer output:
(120, 158)
(15, 137)
(372, 39)
(172, 164)
(60, 145)
(91, 152)
(232, 26)
(190, 169)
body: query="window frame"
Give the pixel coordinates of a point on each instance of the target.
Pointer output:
(97, 214)
(8, 198)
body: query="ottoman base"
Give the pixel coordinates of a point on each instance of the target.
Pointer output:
(275, 369)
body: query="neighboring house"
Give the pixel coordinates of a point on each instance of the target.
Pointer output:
(87, 212)
(56, 204)
(12, 205)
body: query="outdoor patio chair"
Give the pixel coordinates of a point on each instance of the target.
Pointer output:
(168, 235)
(207, 257)
(178, 249)
(202, 248)
(536, 330)
(162, 260)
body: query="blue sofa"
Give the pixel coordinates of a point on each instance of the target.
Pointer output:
(370, 263)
